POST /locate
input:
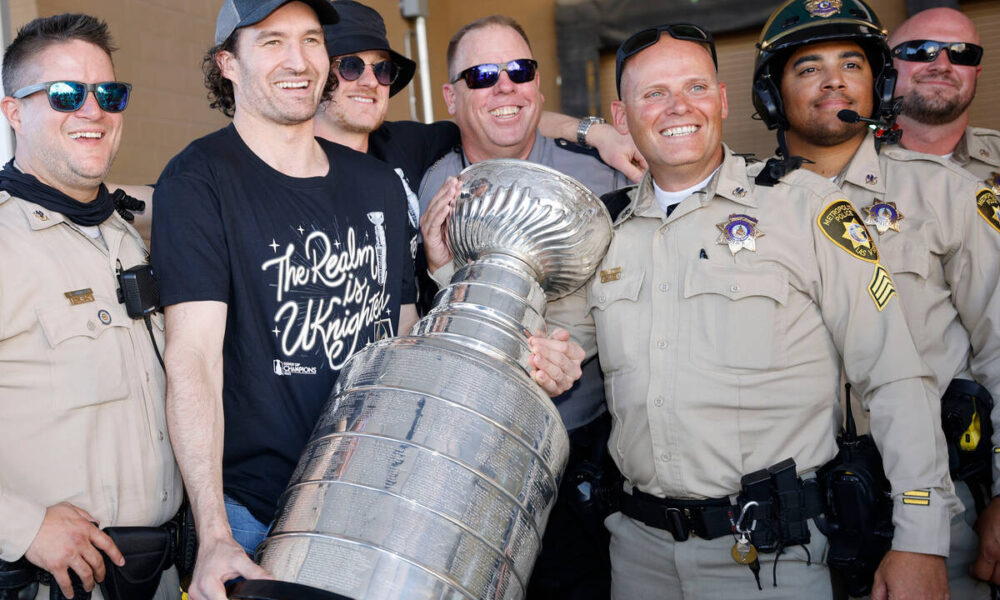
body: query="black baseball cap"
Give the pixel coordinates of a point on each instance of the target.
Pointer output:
(242, 13)
(362, 28)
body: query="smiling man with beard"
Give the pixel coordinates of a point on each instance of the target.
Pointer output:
(936, 229)
(938, 56)
(257, 330)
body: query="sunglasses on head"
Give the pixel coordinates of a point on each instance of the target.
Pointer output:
(69, 96)
(647, 37)
(352, 67)
(521, 70)
(959, 53)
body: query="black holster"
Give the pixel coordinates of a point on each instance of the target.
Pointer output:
(785, 503)
(858, 512)
(968, 431)
(148, 551)
(18, 580)
(592, 480)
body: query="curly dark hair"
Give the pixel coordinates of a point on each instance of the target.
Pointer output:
(220, 89)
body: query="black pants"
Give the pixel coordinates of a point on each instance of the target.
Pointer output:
(574, 563)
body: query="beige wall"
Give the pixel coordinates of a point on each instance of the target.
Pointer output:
(162, 43)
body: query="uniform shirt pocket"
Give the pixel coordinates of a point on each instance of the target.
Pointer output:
(733, 316)
(614, 305)
(907, 254)
(87, 358)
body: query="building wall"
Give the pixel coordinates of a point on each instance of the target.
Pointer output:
(162, 43)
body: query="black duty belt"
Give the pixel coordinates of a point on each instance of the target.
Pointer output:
(707, 519)
(715, 517)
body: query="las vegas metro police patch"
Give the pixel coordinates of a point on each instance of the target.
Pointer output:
(989, 208)
(842, 226)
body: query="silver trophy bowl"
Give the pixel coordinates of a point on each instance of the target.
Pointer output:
(436, 461)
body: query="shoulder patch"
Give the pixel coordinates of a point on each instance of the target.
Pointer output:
(842, 226)
(989, 208)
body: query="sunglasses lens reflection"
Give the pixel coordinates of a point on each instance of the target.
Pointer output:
(112, 96)
(66, 96)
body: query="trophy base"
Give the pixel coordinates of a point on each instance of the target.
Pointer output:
(266, 589)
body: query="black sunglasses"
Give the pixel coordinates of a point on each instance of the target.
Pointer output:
(352, 67)
(521, 70)
(69, 96)
(959, 53)
(647, 37)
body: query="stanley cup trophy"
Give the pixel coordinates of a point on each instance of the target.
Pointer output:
(432, 471)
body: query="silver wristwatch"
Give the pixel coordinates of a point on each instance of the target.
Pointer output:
(581, 130)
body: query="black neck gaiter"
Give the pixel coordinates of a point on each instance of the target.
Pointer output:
(27, 187)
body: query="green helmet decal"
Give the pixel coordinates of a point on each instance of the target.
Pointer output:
(803, 22)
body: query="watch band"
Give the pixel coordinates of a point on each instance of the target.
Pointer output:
(581, 131)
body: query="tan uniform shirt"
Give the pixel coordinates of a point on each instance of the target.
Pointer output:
(944, 258)
(718, 364)
(81, 393)
(979, 153)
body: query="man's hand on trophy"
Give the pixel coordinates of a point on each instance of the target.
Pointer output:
(434, 224)
(555, 361)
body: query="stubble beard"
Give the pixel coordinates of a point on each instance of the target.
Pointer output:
(828, 134)
(935, 110)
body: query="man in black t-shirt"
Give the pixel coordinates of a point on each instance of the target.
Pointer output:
(279, 256)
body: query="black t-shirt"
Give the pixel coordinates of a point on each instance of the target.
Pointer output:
(312, 269)
(411, 148)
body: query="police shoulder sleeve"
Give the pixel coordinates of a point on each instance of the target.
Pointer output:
(841, 224)
(989, 208)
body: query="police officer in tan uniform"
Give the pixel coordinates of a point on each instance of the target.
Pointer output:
(83, 441)
(723, 312)
(938, 56)
(936, 227)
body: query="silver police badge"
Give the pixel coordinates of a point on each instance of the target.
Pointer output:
(883, 215)
(994, 182)
(739, 232)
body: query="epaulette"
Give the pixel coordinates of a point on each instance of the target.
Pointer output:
(775, 168)
(616, 201)
(577, 148)
(984, 132)
(749, 158)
